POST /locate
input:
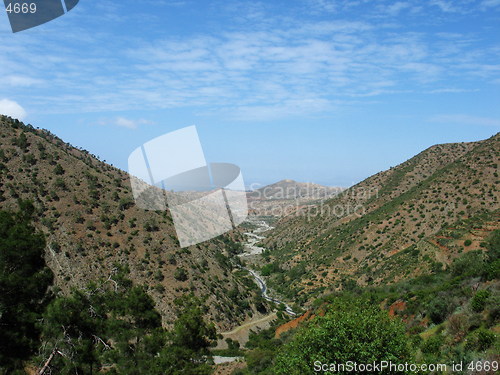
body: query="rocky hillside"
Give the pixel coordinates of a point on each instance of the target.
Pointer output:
(386, 227)
(85, 208)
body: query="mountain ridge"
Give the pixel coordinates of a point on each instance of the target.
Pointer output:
(398, 208)
(86, 210)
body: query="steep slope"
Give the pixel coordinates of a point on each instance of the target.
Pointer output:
(85, 208)
(359, 234)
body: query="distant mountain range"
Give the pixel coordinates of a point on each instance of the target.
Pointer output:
(287, 196)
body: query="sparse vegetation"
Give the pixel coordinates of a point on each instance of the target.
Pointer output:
(426, 250)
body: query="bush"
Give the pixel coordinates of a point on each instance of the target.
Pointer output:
(479, 300)
(349, 331)
(438, 310)
(180, 274)
(260, 360)
(469, 265)
(492, 270)
(270, 268)
(433, 344)
(480, 340)
(60, 184)
(58, 170)
(125, 203)
(494, 314)
(151, 226)
(21, 142)
(171, 259)
(457, 326)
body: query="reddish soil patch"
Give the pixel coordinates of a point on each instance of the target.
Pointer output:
(292, 324)
(399, 305)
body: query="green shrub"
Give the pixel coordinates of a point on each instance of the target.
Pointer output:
(469, 265)
(457, 326)
(438, 309)
(270, 268)
(180, 274)
(171, 259)
(58, 170)
(480, 340)
(479, 300)
(433, 344)
(349, 331)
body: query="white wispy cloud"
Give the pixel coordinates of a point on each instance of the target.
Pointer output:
(397, 7)
(323, 5)
(445, 6)
(21, 81)
(450, 90)
(487, 4)
(130, 123)
(122, 122)
(268, 68)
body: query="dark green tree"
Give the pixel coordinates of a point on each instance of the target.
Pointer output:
(110, 325)
(492, 269)
(21, 142)
(187, 352)
(73, 327)
(24, 281)
(58, 170)
(135, 327)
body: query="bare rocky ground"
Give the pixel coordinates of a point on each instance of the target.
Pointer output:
(228, 367)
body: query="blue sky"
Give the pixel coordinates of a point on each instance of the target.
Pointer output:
(313, 90)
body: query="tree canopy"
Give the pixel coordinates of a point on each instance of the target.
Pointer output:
(349, 331)
(110, 325)
(24, 279)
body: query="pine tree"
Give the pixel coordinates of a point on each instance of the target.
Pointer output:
(189, 341)
(24, 279)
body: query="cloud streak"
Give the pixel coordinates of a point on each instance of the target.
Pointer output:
(466, 119)
(130, 123)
